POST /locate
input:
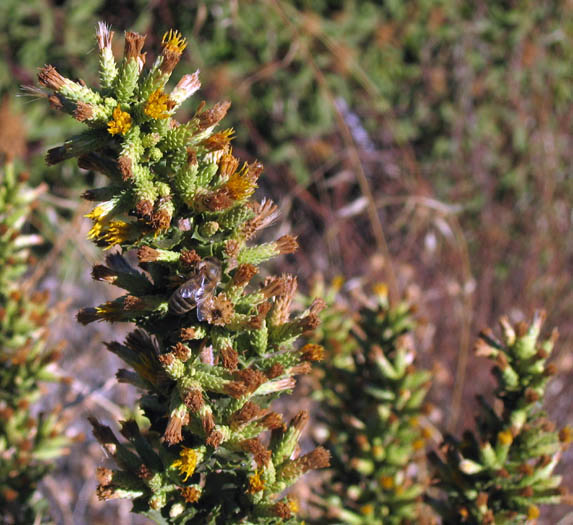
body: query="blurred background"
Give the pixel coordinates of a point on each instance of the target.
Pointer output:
(426, 144)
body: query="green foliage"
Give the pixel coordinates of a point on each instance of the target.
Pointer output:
(210, 352)
(29, 441)
(500, 473)
(372, 402)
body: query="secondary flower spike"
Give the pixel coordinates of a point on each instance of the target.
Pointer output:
(214, 343)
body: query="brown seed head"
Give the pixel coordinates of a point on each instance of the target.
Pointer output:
(286, 244)
(50, 78)
(260, 453)
(215, 439)
(249, 412)
(133, 46)
(193, 400)
(243, 274)
(275, 370)
(104, 476)
(273, 421)
(83, 112)
(229, 358)
(189, 257)
(211, 117)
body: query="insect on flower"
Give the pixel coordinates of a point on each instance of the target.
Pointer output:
(195, 291)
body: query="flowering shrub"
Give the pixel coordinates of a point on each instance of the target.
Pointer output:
(211, 351)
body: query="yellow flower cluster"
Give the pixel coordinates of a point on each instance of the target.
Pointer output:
(256, 484)
(158, 105)
(241, 184)
(121, 122)
(186, 463)
(174, 41)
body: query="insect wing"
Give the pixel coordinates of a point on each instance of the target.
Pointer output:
(202, 299)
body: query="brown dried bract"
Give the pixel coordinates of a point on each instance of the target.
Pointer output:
(232, 248)
(144, 208)
(131, 302)
(273, 421)
(282, 510)
(217, 201)
(251, 378)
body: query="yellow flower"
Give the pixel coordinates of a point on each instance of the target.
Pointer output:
(387, 482)
(242, 184)
(186, 463)
(505, 438)
(533, 512)
(293, 505)
(98, 215)
(367, 509)
(256, 484)
(158, 105)
(173, 40)
(337, 283)
(381, 290)
(116, 233)
(121, 122)
(96, 230)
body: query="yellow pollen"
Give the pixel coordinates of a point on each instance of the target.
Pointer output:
(367, 510)
(256, 484)
(418, 444)
(158, 105)
(186, 463)
(121, 122)
(174, 41)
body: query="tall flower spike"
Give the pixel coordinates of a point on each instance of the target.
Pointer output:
(206, 350)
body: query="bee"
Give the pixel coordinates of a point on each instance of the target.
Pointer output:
(197, 290)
